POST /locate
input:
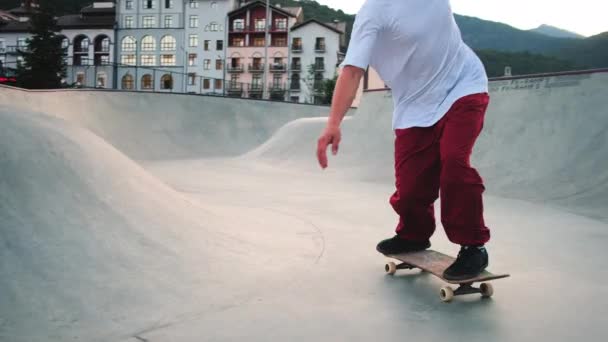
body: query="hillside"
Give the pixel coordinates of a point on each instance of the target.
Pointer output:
(557, 32)
(481, 35)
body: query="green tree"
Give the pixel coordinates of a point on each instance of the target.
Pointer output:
(43, 64)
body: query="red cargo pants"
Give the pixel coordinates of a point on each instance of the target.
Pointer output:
(434, 160)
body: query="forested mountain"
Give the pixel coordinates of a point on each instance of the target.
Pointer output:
(497, 44)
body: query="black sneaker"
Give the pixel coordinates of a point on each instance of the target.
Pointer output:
(398, 245)
(471, 262)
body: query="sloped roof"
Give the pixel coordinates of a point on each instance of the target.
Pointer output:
(75, 21)
(263, 4)
(315, 21)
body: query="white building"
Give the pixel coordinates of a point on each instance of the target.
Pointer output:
(172, 45)
(315, 52)
(88, 38)
(151, 45)
(206, 20)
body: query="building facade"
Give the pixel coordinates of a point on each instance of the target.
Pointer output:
(88, 40)
(151, 51)
(206, 20)
(256, 65)
(315, 49)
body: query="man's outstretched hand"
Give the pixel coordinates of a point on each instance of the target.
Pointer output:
(330, 136)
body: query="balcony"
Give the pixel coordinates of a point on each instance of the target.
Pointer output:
(256, 89)
(296, 48)
(14, 50)
(295, 87)
(296, 67)
(278, 68)
(235, 89)
(234, 69)
(320, 48)
(256, 68)
(319, 66)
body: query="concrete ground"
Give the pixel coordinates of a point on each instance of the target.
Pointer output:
(140, 217)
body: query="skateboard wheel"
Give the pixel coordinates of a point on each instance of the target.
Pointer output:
(390, 268)
(446, 294)
(486, 290)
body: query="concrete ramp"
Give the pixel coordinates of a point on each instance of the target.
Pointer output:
(545, 139)
(108, 233)
(159, 126)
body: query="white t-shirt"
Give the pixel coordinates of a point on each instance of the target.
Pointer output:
(417, 49)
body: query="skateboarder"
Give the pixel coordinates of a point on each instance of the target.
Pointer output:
(439, 87)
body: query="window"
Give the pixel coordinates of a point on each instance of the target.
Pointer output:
(295, 82)
(192, 59)
(168, 3)
(296, 44)
(218, 64)
(83, 46)
(193, 40)
(219, 45)
(104, 46)
(129, 4)
(295, 99)
(2, 61)
(278, 61)
(319, 63)
(3, 46)
(101, 79)
(127, 59)
(129, 22)
(206, 44)
(127, 82)
(149, 22)
(167, 60)
(237, 41)
(214, 27)
(22, 42)
(320, 44)
(168, 43)
(218, 84)
(65, 43)
(207, 64)
(296, 63)
(166, 82)
(192, 78)
(258, 41)
(260, 24)
(280, 24)
(193, 21)
(80, 78)
(168, 21)
(193, 4)
(256, 81)
(128, 44)
(280, 41)
(148, 60)
(149, 4)
(276, 81)
(147, 82)
(104, 60)
(206, 83)
(148, 43)
(238, 25)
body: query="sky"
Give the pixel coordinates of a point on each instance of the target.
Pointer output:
(586, 17)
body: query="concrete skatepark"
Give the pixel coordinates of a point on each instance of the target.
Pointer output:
(164, 217)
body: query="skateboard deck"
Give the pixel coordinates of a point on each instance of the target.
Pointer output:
(435, 263)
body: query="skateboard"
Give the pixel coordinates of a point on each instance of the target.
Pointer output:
(435, 263)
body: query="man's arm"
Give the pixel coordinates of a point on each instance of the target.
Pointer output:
(344, 95)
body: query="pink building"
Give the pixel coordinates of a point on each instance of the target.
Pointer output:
(246, 62)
